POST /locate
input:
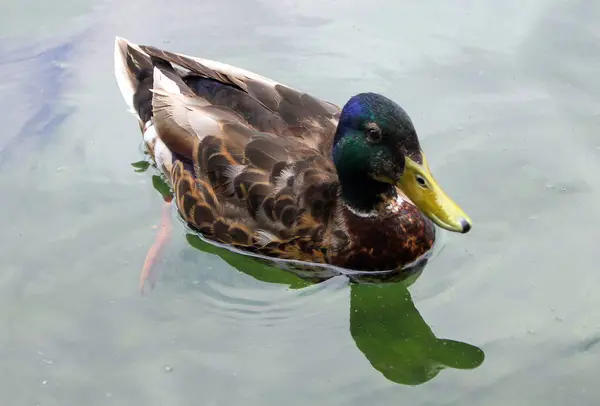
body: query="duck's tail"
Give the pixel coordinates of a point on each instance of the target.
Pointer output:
(134, 74)
(137, 78)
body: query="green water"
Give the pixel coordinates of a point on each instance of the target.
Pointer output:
(504, 96)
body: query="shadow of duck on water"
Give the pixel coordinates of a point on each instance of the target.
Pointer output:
(384, 322)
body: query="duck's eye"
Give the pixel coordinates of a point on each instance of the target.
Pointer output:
(421, 181)
(373, 134)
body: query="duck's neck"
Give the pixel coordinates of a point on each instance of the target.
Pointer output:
(363, 194)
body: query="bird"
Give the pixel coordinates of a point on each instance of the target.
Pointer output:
(261, 167)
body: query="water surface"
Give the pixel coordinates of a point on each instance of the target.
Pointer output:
(504, 96)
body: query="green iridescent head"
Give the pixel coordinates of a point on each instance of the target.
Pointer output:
(376, 150)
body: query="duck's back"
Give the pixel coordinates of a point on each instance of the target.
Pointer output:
(248, 158)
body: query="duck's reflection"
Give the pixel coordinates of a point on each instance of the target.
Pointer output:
(388, 329)
(384, 322)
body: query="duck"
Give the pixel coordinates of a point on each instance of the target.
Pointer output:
(265, 169)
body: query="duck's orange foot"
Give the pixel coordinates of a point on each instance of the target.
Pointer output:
(163, 235)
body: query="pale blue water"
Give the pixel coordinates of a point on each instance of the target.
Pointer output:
(505, 98)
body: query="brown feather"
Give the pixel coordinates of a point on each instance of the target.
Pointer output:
(265, 152)
(256, 195)
(245, 180)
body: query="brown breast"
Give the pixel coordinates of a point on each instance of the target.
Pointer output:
(395, 237)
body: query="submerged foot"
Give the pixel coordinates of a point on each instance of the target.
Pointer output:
(164, 232)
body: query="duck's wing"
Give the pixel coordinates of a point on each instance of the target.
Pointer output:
(248, 158)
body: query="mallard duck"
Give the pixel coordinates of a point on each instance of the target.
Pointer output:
(270, 170)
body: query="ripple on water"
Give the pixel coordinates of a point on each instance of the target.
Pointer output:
(266, 303)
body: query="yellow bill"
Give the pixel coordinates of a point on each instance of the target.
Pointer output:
(419, 186)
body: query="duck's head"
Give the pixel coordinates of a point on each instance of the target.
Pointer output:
(376, 149)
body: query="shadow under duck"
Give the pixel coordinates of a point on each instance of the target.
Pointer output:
(270, 170)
